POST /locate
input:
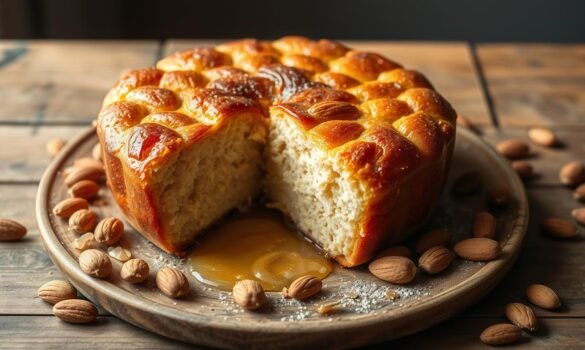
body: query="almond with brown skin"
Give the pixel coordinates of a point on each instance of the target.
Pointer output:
(524, 169)
(572, 174)
(522, 316)
(54, 146)
(542, 137)
(68, 206)
(75, 311)
(84, 189)
(579, 193)
(435, 260)
(55, 291)
(543, 296)
(467, 183)
(431, 239)
(393, 269)
(484, 225)
(478, 249)
(135, 271)
(303, 288)
(91, 173)
(399, 250)
(82, 221)
(249, 294)
(498, 196)
(513, 148)
(11, 230)
(327, 110)
(579, 215)
(559, 228)
(172, 282)
(501, 334)
(109, 231)
(95, 263)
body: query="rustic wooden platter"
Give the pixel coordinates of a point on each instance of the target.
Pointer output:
(366, 315)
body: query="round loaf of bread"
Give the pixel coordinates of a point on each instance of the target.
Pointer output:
(349, 145)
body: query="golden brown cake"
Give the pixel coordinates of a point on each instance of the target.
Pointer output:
(351, 146)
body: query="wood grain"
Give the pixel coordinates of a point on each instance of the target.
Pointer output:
(449, 66)
(536, 84)
(63, 81)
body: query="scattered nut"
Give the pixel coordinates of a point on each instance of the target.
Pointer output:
(523, 169)
(435, 260)
(54, 146)
(119, 253)
(11, 230)
(135, 271)
(109, 231)
(95, 263)
(328, 308)
(478, 249)
(303, 288)
(513, 148)
(484, 225)
(559, 228)
(579, 193)
(91, 173)
(84, 241)
(522, 316)
(172, 282)
(87, 162)
(82, 221)
(501, 334)
(542, 137)
(84, 189)
(96, 152)
(543, 296)
(393, 269)
(399, 250)
(68, 206)
(55, 291)
(249, 294)
(431, 239)
(572, 174)
(579, 215)
(75, 311)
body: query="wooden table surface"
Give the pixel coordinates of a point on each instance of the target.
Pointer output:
(54, 89)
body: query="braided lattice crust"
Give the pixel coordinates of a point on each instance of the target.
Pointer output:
(382, 121)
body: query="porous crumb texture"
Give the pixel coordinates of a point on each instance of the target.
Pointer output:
(356, 148)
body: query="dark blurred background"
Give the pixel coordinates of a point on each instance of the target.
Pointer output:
(476, 21)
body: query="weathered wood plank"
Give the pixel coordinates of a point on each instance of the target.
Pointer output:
(24, 156)
(63, 81)
(448, 65)
(536, 84)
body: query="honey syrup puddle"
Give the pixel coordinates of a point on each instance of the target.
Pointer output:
(258, 246)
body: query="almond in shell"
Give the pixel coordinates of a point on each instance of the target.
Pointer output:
(95, 263)
(82, 221)
(172, 282)
(135, 271)
(249, 294)
(109, 231)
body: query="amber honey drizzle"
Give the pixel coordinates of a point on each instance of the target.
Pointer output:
(256, 246)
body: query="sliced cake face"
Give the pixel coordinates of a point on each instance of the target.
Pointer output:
(348, 144)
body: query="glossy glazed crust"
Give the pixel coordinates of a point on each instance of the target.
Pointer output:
(385, 124)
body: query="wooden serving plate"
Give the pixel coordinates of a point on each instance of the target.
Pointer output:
(366, 315)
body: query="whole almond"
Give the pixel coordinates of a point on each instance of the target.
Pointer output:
(82, 221)
(478, 249)
(75, 311)
(399, 250)
(431, 239)
(435, 260)
(579, 193)
(543, 296)
(572, 174)
(96, 152)
(524, 169)
(393, 269)
(84, 189)
(513, 148)
(498, 196)
(135, 271)
(484, 225)
(327, 110)
(11, 230)
(522, 316)
(172, 282)
(249, 294)
(55, 291)
(91, 173)
(95, 263)
(579, 215)
(54, 146)
(501, 334)
(559, 228)
(467, 183)
(86, 161)
(303, 288)
(109, 231)
(542, 137)
(68, 206)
